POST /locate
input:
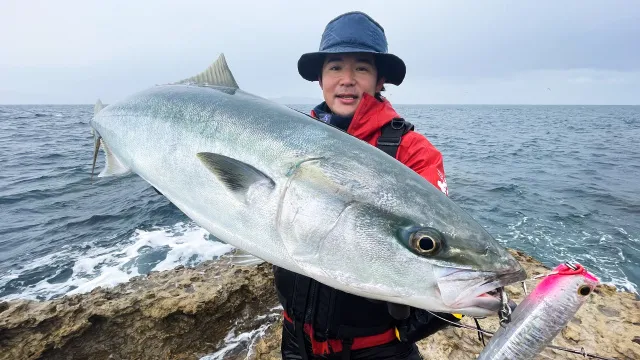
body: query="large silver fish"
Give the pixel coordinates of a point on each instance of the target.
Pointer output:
(303, 195)
(541, 315)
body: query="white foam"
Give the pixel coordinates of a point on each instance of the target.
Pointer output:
(245, 339)
(186, 244)
(622, 231)
(624, 283)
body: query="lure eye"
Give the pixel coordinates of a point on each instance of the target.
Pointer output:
(426, 242)
(584, 290)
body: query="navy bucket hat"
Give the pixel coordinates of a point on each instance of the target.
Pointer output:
(354, 32)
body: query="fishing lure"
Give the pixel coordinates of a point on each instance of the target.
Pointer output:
(542, 314)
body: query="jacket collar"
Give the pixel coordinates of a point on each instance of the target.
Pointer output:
(324, 114)
(371, 115)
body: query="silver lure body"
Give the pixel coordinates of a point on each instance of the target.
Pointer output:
(541, 315)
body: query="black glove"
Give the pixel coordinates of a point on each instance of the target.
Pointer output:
(421, 324)
(398, 311)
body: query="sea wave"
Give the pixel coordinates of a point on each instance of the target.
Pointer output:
(79, 269)
(556, 182)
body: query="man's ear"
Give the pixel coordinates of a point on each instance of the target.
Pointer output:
(380, 84)
(320, 81)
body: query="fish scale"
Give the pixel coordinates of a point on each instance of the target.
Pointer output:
(302, 195)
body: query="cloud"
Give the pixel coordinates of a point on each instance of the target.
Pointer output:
(573, 86)
(75, 51)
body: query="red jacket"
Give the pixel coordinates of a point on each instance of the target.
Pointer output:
(415, 151)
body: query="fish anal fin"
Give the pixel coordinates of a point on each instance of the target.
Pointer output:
(217, 74)
(242, 258)
(113, 165)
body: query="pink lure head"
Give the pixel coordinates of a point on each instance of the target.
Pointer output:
(584, 280)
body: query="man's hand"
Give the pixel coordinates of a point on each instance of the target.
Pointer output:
(398, 311)
(421, 324)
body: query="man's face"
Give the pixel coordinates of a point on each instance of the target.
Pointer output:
(345, 77)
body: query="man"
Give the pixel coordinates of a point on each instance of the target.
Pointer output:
(352, 67)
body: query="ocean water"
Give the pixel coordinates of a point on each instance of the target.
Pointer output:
(559, 182)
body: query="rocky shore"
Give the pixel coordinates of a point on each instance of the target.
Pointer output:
(219, 311)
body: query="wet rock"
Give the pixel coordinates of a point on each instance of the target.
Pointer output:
(571, 332)
(187, 313)
(605, 289)
(140, 319)
(607, 311)
(628, 352)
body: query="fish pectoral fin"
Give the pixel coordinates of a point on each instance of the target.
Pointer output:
(113, 165)
(236, 175)
(217, 74)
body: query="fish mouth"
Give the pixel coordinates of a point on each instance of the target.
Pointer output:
(481, 288)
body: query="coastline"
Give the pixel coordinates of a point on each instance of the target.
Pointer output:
(216, 310)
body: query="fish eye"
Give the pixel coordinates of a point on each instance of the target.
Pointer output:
(584, 290)
(426, 241)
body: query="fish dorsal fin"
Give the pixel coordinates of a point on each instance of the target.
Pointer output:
(97, 107)
(236, 175)
(218, 74)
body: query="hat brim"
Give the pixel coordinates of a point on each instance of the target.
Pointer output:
(390, 66)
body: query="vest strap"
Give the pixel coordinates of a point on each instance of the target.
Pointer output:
(391, 135)
(346, 349)
(301, 289)
(298, 329)
(340, 345)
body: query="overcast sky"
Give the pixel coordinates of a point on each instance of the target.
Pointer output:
(504, 52)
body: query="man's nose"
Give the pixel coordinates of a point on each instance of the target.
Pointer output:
(348, 78)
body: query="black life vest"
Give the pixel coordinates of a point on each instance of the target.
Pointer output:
(332, 313)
